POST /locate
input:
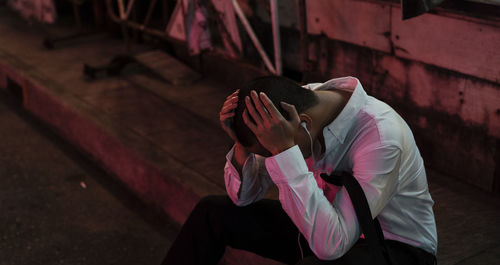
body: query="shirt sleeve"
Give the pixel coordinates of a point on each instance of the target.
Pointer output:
(312, 86)
(330, 229)
(252, 186)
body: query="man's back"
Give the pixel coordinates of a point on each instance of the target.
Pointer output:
(408, 215)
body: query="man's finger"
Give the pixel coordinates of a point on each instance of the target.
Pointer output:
(246, 119)
(227, 116)
(272, 110)
(292, 112)
(228, 107)
(231, 100)
(251, 110)
(233, 94)
(259, 106)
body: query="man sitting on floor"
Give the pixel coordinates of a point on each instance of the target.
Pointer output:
(287, 135)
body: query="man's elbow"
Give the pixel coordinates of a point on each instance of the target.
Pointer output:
(330, 251)
(328, 255)
(242, 203)
(239, 201)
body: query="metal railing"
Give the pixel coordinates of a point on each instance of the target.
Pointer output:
(125, 9)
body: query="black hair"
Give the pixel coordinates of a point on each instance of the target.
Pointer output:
(278, 89)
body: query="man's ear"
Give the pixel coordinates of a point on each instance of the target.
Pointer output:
(307, 119)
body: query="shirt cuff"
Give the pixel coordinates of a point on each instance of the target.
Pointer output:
(229, 159)
(287, 165)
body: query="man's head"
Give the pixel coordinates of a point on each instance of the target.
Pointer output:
(277, 89)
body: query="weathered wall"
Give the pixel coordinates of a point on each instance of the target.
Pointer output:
(455, 117)
(440, 71)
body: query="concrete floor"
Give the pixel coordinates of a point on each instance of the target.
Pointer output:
(149, 134)
(58, 208)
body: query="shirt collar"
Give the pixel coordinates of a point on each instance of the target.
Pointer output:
(341, 125)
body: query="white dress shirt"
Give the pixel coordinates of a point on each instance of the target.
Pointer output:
(371, 141)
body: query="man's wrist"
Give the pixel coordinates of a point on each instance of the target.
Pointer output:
(282, 148)
(240, 149)
(286, 166)
(240, 155)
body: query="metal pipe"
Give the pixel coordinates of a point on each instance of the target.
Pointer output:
(134, 25)
(121, 9)
(129, 8)
(276, 36)
(150, 11)
(253, 37)
(124, 14)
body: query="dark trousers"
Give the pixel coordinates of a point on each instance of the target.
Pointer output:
(262, 228)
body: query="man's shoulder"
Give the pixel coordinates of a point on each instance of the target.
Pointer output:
(381, 119)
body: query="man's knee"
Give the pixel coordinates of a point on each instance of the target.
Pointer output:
(212, 203)
(210, 213)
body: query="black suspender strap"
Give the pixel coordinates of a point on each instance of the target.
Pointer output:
(370, 227)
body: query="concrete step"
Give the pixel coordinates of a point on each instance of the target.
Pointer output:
(59, 208)
(168, 67)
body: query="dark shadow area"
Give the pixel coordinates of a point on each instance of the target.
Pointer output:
(157, 219)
